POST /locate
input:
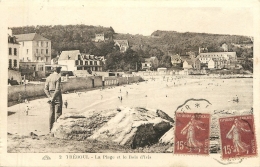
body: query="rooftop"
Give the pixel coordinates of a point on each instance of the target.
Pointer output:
(30, 37)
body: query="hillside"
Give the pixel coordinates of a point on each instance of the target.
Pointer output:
(183, 42)
(159, 43)
(68, 37)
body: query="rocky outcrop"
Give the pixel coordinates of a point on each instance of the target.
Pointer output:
(134, 127)
(168, 137)
(81, 126)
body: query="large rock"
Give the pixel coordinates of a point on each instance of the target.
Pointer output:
(81, 126)
(135, 127)
(168, 137)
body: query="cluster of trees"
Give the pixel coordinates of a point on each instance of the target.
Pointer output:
(69, 37)
(79, 37)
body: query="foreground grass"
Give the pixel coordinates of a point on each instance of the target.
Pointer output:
(48, 144)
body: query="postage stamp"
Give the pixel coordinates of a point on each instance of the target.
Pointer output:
(192, 133)
(237, 135)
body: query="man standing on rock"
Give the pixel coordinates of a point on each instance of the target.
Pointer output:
(53, 90)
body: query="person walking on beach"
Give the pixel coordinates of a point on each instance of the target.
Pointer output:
(66, 104)
(53, 91)
(26, 110)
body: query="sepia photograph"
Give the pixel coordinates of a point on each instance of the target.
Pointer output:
(104, 81)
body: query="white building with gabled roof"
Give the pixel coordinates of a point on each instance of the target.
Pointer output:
(73, 60)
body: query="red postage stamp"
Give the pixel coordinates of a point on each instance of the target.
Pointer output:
(237, 135)
(192, 133)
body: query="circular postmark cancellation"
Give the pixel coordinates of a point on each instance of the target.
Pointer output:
(237, 135)
(192, 127)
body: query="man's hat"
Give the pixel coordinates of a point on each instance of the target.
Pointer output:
(55, 67)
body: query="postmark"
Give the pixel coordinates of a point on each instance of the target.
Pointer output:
(192, 133)
(237, 136)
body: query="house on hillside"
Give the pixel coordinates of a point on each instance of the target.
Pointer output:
(73, 60)
(150, 63)
(224, 46)
(100, 38)
(191, 54)
(176, 60)
(122, 44)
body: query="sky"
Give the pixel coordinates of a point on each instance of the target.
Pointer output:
(137, 17)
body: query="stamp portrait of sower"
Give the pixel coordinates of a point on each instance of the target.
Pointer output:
(237, 136)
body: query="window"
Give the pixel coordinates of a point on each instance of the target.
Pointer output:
(76, 62)
(46, 51)
(15, 63)
(37, 58)
(47, 44)
(78, 57)
(36, 50)
(46, 59)
(10, 51)
(27, 51)
(10, 63)
(15, 51)
(41, 51)
(40, 67)
(95, 62)
(38, 43)
(86, 62)
(41, 44)
(91, 63)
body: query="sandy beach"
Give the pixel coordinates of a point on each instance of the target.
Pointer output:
(156, 92)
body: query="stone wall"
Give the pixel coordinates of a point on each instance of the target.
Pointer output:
(78, 83)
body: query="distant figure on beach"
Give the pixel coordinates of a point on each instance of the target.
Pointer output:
(26, 110)
(120, 90)
(235, 99)
(20, 98)
(66, 104)
(53, 91)
(26, 101)
(126, 92)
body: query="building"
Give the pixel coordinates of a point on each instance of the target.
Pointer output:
(34, 48)
(211, 64)
(206, 57)
(196, 64)
(187, 64)
(32, 70)
(176, 60)
(100, 38)
(224, 46)
(146, 65)
(13, 51)
(14, 76)
(122, 44)
(73, 60)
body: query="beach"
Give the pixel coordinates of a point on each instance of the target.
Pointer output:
(155, 93)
